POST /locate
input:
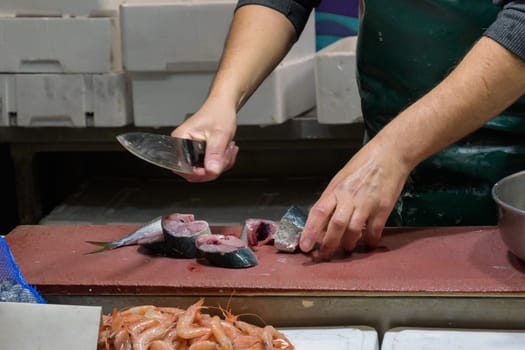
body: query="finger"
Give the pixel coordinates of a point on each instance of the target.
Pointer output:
(198, 175)
(350, 240)
(231, 155)
(337, 227)
(374, 229)
(318, 218)
(215, 158)
(354, 230)
(202, 175)
(176, 133)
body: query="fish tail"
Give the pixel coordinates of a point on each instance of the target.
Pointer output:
(105, 246)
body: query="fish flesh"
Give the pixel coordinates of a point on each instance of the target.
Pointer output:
(179, 237)
(149, 235)
(289, 230)
(258, 232)
(225, 251)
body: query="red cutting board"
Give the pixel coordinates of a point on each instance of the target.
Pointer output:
(438, 260)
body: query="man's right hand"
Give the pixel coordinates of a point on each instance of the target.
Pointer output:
(215, 123)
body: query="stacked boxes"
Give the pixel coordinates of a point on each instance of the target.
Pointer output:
(172, 49)
(65, 63)
(452, 338)
(337, 92)
(60, 66)
(59, 8)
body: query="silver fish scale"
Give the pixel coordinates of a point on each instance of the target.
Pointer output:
(289, 230)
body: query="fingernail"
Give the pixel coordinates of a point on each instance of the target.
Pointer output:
(306, 243)
(214, 166)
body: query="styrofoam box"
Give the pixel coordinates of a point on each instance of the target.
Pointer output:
(188, 35)
(59, 7)
(167, 99)
(337, 92)
(344, 338)
(452, 339)
(59, 45)
(71, 100)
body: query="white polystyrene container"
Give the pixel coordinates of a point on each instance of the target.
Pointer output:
(70, 100)
(185, 35)
(46, 8)
(344, 338)
(167, 99)
(337, 93)
(452, 339)
(59, 45)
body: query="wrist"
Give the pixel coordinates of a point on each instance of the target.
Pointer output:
(402, 152)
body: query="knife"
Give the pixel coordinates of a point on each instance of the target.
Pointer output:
(173, 153)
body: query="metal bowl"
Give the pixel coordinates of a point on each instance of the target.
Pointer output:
(509, 194)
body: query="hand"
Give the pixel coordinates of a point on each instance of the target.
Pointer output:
(356, 203)
(215, 123)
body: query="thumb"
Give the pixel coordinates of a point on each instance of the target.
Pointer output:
(215, 159)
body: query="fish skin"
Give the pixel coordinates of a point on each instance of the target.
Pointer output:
(289, 230)
(225, 251)
(148, 233)
(180, 237)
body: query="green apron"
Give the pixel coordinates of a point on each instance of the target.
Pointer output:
(405, 48)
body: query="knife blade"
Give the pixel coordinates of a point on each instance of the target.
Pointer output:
(173, 153)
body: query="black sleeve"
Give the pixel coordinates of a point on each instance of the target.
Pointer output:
(296, 11)
(509, 28)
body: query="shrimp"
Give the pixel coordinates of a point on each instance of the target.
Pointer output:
(140, 310)
(171, 336)
(141, 325)
(269, 334)
(103, 338)
(142, 340)
(247, 342)
(171, 310)
(165, 328)
(181, 345)
(231, 331)
(203, 345)
(248, 328)
(229, 328)
(185, 328)
(267, 337)
(122, 340)
(219, 334)
(160, 345)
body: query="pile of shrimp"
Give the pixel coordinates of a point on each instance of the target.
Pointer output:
(150, 327)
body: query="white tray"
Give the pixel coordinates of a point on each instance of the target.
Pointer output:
(452, 339)
(48, 327)
(346, 338)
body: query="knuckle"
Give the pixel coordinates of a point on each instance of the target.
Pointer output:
(384, 204)
(319, 210)
(376, 227)
(356, 225)
(338, 224)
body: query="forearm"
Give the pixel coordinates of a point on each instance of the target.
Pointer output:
(486, 82)
(259, 38)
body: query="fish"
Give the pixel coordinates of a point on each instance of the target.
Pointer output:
(225, 251)
(289, 230)
(149, 235)
(258, 232)
(179, 237)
